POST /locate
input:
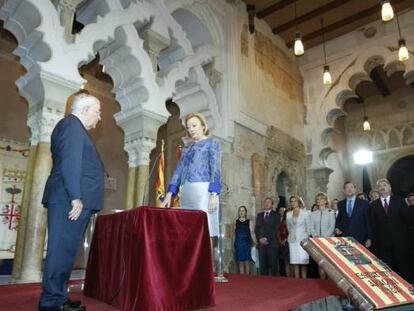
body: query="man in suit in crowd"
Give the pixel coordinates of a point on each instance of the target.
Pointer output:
(74, 190)
(410, 199)
(390, 230)
(334, 206)
(266, 230)
(353, 217)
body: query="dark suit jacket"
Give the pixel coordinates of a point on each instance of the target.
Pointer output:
(358, 225)
(268, 229)
(389, 232)
(77, 171)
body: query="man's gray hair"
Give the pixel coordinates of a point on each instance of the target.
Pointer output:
(384, 180)
(83, 100)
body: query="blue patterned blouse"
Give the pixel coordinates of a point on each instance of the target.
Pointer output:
(201, 162)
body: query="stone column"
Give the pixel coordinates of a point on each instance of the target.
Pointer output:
(154, 43)
(67, 9)
(44, 112)
(146, 144)
(138, 150)
(34, 240)
(140, 130)
(131, 186)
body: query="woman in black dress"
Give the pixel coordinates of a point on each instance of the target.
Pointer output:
(243, 241)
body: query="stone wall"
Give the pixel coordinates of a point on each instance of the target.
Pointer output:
(270, 79)
(272, 154)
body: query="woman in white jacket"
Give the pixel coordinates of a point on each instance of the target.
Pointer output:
(322, 220)
(299, 228)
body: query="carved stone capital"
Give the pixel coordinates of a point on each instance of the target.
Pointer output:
(140, 128)
(45, 113)
(154, 43)
(321, 177)
(139, 150)
(42, 123)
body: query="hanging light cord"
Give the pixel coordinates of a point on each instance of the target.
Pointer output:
(363, 109)
(398, 24)
(296, 22)
(323, 40)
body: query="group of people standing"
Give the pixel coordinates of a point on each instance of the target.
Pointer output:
(382, 225)
(75, 187)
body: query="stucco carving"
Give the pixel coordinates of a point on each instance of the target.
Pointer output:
(284, 154)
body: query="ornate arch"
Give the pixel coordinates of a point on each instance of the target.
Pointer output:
(31, 48)
(204, 68)
(356, 72)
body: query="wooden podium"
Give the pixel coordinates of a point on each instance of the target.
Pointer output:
(366, 280)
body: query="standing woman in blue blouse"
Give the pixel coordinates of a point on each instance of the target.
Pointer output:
(198, 172)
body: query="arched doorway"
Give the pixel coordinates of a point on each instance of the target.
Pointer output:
(401, 176)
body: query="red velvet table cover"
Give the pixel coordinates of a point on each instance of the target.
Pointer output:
(151, 259)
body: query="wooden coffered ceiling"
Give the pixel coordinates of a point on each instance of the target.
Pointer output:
(340, 16)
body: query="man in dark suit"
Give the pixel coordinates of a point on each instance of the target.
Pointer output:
(353, 217)
(266, 230)
(74, 190)
(390, 230)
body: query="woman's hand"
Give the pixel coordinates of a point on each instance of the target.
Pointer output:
(213, 203)
(167, 201)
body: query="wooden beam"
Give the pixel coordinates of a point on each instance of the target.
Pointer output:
(274, 7)
(314, 13)
(345, 21)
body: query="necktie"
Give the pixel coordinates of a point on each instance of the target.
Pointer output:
(266, 216)
(386, 207)
(349, 208)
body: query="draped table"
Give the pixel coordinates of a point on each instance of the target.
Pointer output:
(151, 259)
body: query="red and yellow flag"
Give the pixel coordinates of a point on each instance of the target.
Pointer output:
(159, 183)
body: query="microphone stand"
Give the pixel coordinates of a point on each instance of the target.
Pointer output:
(220, 278)
(86, 247)
(149, 177)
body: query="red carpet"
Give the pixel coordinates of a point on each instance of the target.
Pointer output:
(248, 293)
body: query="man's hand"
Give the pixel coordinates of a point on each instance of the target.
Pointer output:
(337, 231)
(76, 210)
(368, 243)
(167, 200)
(213, 203)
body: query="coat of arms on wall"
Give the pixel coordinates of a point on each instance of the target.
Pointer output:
(13, 161)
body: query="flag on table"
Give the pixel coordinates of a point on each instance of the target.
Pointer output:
(159, 183)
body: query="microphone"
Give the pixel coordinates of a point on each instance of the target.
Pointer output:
(149, 177)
